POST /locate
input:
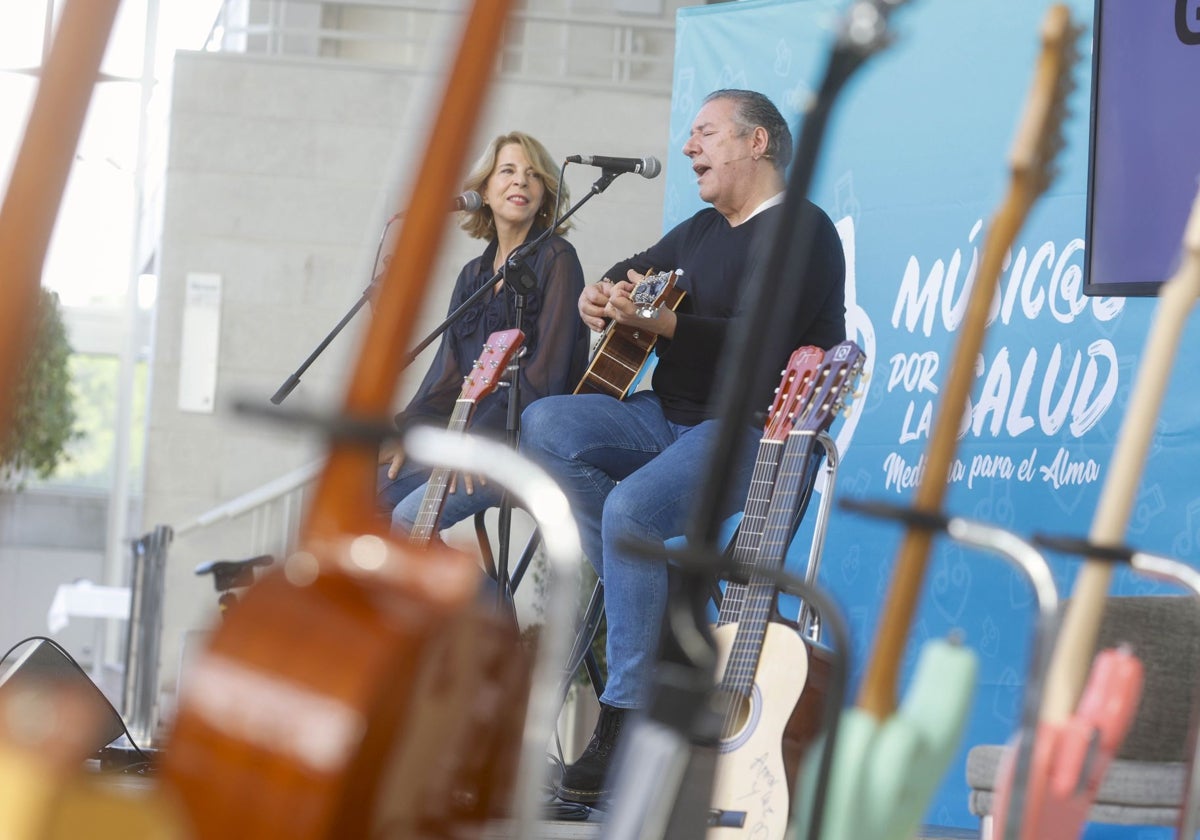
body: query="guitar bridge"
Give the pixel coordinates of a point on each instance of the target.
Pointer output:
(726, 819)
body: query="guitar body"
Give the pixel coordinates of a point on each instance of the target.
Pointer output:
(371, 727)
(1070, 759)
(884, 774)
(758, 761)
(623, 350)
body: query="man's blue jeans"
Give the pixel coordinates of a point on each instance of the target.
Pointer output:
(628, 472)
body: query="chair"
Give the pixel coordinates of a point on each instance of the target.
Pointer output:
(1145, 783)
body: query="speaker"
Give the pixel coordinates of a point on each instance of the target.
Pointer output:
(45, 664)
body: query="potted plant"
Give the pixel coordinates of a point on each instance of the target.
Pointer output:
(43, 421)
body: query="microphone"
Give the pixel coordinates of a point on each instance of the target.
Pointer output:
(647, 167)
(470, 200)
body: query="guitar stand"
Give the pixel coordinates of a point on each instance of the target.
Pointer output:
(1168, 570)
(1030, 561)
(808, 622)
(229, 575)
(545, 502)
(656, 754)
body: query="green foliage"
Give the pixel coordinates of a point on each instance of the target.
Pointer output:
(44, 417)
(95, 383)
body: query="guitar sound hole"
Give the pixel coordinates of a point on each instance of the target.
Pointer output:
(737, 716)
(741, 720)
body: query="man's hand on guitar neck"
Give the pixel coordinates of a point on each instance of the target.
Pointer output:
(623, 310)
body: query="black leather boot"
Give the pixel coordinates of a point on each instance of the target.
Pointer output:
(584, 781)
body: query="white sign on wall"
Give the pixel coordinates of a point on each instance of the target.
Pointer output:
(200, 339)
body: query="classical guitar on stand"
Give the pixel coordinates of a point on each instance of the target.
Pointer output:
(622, 349)
(772, 678)
(889, 760)
(499, 350)
(1082, 724)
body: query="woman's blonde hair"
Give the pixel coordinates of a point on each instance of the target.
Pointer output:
(479, 223)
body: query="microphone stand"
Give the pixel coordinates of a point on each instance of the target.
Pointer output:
(520, 280)
(292, 381)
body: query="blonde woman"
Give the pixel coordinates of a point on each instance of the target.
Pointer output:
(518, 182)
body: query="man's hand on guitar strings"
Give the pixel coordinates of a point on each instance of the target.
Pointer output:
(623, 310)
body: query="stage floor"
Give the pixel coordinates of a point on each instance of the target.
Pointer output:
(591, 830)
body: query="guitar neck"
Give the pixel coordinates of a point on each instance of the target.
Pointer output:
(752, 525)
(760, 591)
(1081, 625)
(436, 488)
(878, 692)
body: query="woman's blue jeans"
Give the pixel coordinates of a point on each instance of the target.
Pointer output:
(628, 472)
(401, 497)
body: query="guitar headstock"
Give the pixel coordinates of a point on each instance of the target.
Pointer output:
(500, 348)
(651, 290)
(862, 32)
(864, 26)
(837, 381)
(1039, 135)
(797, 381)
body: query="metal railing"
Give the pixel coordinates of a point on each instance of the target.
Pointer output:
(553, 47)
(274, 510)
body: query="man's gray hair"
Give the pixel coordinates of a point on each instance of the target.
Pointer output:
(752, 110)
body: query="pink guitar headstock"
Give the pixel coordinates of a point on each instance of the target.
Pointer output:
(797, 382)
(500, 348)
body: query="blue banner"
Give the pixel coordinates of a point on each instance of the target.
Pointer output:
(913, 166)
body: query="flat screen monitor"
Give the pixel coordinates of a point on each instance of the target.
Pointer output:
(1144, 165)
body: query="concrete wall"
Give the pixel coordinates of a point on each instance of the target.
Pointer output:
(280, 176)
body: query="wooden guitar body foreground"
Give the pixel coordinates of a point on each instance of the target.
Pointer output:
(382, 723)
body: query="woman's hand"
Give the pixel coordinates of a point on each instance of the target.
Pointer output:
(468, 482)
(392, 453)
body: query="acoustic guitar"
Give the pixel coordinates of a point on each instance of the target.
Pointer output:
(622, 350)
(358, 683)
(499, 350)
(1082, 724)
(888, 760)
(772, 678)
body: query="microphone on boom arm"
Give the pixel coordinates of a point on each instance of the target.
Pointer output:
(647, 167)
